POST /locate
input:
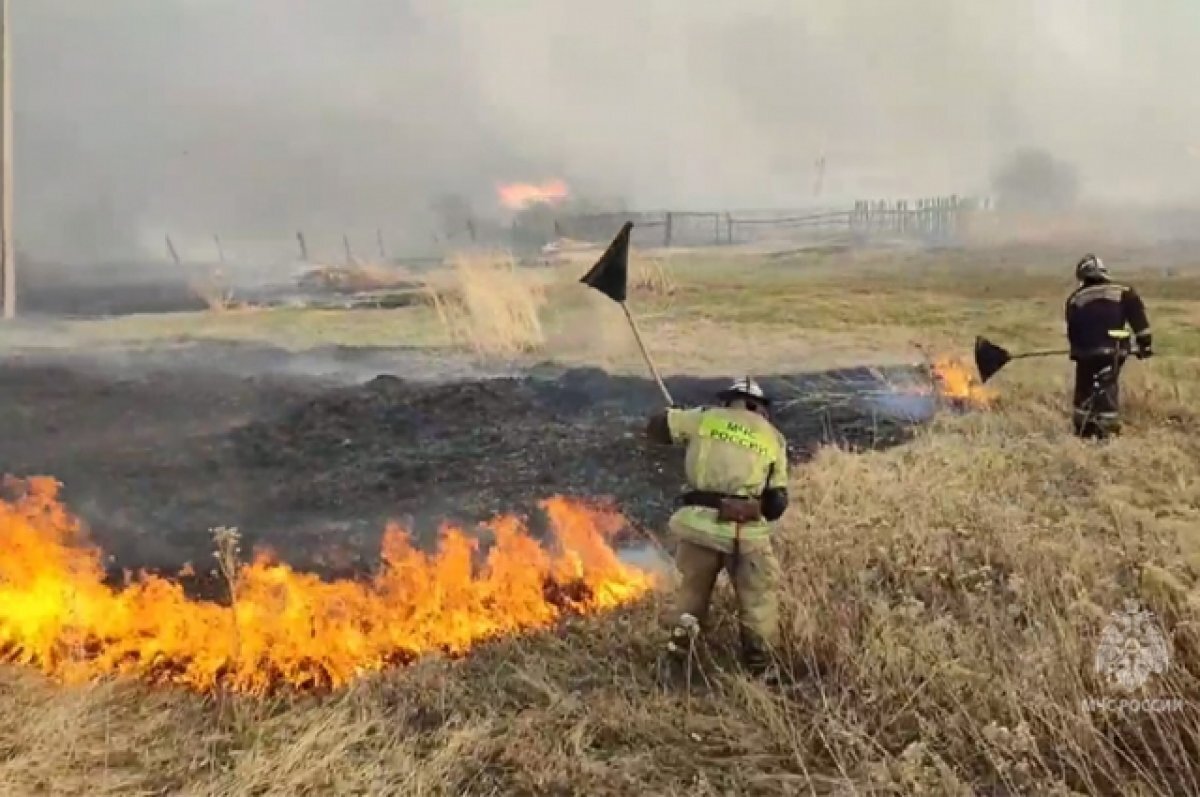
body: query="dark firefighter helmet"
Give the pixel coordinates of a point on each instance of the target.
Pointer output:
(745, 388)
(1091, 269)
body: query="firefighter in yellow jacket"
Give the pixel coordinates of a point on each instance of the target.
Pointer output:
(736, 467)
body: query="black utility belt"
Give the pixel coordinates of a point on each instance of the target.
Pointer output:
(730, 508)
(708, 499)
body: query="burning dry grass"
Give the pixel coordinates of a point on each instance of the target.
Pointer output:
(943, 603)
(956, 382)
(284, 628)
(489, 305)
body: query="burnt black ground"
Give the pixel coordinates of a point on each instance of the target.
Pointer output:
(152, 458)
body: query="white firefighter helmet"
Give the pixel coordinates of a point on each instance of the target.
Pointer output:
(1091, 269)
(745, 388)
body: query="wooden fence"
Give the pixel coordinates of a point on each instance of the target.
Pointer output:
(936, 219)
(933, 220)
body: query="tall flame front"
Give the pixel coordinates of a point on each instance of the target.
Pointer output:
(288, 628)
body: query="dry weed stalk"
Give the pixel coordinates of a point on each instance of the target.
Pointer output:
(489, 305)
(228, 542)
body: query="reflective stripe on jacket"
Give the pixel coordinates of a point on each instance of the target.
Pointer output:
(729, 451)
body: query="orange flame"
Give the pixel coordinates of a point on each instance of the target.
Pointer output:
(516, 196)
(955, 381)
(287, 628)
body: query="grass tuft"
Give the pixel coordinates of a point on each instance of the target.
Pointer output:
(488, 304)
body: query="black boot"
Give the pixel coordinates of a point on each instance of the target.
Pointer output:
(758, 661)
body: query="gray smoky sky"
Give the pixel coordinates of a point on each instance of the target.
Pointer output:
(253, 118)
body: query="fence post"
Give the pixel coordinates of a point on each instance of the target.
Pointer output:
(220, 249)
(471, 229)
(716, 228)
(379, 239)
(667, 230)
(349, 254)
(303, 245)
(171, 249)
(728, 227)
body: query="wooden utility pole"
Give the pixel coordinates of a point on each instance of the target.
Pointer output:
(8, 261)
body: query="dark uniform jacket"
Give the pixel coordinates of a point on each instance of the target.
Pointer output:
(1097, 307)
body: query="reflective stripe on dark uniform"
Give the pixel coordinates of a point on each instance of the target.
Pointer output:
(1094, 309)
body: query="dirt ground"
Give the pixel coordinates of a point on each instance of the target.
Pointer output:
(310, 455)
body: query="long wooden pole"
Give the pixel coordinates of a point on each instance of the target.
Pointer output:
(646, 354)
(8, 256)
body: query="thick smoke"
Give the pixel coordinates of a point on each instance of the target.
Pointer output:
(253, 119)
(1034, 180)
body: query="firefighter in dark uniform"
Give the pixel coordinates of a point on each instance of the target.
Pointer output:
(1098, 313)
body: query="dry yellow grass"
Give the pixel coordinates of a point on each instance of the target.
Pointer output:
(652, 275)
(488, 304)
(943, 603)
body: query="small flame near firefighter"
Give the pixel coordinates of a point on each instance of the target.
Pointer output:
(284, 628)
(518, 196)
(947, 383)
(956, 383)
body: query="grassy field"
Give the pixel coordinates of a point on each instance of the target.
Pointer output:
(943, 601)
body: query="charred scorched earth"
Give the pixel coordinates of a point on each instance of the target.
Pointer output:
(153, 459)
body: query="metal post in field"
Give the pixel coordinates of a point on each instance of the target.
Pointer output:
(8, 261)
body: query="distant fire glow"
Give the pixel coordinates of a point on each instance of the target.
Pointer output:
(517, 196)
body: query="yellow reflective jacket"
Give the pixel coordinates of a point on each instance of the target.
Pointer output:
(730, 451)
